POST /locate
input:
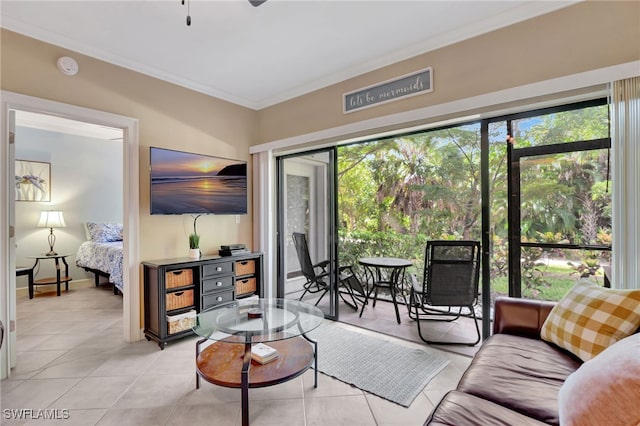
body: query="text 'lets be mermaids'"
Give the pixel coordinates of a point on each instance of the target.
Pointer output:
(412, 84)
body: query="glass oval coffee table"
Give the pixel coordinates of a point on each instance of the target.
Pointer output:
(232, 328)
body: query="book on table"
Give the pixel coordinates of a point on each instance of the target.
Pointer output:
(262, 353)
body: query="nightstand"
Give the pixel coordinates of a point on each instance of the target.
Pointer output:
(58, 279)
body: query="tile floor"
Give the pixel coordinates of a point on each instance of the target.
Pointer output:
(71, 357)
(382, 319)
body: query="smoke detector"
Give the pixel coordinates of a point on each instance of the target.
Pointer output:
(67, 65)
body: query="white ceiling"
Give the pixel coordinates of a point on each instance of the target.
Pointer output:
(259, 56)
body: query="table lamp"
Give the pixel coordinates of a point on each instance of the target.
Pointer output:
(51, 219)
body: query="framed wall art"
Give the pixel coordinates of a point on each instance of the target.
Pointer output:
(33, 181)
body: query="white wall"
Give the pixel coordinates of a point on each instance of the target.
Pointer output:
(86, 184)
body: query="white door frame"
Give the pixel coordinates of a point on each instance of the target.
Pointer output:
(131, 204)
(295, 167)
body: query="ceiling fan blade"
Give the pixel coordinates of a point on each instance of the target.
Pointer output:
(256, 3)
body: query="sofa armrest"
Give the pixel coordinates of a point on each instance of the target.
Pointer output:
(522, 317)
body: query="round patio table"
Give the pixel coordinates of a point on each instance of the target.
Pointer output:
(385, 272)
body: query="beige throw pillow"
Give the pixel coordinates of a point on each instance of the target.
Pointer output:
(590, 318)
(604, 390)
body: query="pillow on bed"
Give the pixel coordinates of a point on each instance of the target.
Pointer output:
(105, 232)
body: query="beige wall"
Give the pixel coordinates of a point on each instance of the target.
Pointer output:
(583, 37)
(169, 117)
(586, 36)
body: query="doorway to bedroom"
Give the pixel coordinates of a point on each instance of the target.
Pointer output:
(70, 167)
(75, 168)
(125, 186)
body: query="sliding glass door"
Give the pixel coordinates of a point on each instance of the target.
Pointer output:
(307, 207)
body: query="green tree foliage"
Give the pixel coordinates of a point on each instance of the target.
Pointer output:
(394, 194)
(567, 193)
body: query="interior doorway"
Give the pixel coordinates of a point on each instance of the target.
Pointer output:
(12, 102)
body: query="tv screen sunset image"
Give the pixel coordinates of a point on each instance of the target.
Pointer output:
(183, 183)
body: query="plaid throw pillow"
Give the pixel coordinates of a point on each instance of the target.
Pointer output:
(589, 319)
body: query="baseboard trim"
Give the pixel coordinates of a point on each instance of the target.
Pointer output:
(74, 284)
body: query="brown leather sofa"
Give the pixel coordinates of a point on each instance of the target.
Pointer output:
(515, 377)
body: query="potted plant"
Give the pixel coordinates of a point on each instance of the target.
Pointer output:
(194, 241)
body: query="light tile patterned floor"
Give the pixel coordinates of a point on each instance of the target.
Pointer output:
(71, 356)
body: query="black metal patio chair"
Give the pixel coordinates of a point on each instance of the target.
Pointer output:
(351, 290)
(315, 274)
(449, 284)
(351, 285)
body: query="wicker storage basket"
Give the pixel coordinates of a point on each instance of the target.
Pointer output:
(245, 267)
(180, 299)
(179, 278)
(181, 322)
(247, 285)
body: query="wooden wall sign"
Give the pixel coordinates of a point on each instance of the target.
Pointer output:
(415, 83)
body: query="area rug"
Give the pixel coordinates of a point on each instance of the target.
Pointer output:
(391, 371)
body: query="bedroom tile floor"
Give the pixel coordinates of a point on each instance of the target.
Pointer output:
(71, 356)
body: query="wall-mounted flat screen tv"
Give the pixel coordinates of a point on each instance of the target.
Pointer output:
(188, 183)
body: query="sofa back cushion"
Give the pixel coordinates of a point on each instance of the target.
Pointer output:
(522, 317)
(589, 319)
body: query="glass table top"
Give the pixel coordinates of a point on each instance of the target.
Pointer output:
(49, 256)
(257, 320)
(385, 262)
